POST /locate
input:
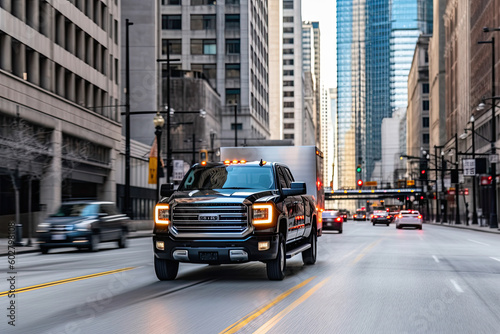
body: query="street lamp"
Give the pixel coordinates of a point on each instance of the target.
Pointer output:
(493, 214)
(158, 122)
(128, 210)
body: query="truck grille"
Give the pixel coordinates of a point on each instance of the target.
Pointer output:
(209, 218)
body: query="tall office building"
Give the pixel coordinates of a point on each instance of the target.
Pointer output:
(311, 76)
(59, 85)
(375, 44)
(311, 63)
(227, 41)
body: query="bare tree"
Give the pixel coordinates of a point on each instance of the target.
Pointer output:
(25, 151)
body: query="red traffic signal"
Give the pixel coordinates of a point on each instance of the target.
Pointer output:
(360, 182)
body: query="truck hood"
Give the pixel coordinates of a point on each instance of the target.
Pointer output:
(223, 196)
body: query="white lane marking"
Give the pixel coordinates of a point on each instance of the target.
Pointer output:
(495, 258)
(477, 242)
(457, 287)
(435, 258)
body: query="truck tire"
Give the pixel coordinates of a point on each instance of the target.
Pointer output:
(94, 243)
(166, 270)
(122, 241)
(276, 268)
(309, 255)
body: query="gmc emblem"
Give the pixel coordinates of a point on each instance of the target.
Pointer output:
(208, 217)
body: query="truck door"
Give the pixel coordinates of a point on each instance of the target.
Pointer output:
(290, 203)
(300, 214)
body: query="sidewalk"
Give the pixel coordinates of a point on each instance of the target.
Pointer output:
(486, 229)
(138, 229)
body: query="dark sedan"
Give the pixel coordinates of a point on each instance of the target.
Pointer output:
(332, 220)
(83, 224)
(380, 217)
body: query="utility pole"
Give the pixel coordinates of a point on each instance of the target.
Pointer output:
(127, 205)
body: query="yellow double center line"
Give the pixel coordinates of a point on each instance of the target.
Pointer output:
(68, 280)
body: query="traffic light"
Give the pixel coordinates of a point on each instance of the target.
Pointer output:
(423, 169)
(203, 157)
(358, 169)
(360, 183)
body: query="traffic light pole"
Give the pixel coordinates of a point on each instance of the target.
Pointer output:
(457, 186)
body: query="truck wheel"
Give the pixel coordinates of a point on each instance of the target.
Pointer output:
(166, 270)
(276, 268)
(44, 249)
(94, 243)
(309, 255)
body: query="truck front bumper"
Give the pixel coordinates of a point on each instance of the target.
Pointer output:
(216, 251)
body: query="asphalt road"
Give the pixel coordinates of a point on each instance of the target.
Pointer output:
(370, 279)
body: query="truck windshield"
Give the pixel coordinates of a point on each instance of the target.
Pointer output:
(229, 177)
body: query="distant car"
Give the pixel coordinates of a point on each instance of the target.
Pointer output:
(332, 220)
(345, 214)
(392, 215)
(83, 224)
(380, 217)
(409, 218)
(359, 215)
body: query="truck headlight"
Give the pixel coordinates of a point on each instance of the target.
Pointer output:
(262, 213)
(162, 214)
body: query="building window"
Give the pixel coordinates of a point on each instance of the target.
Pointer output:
(289, 136)
(287, 19)
(288, 94)
(232, 71)
(203, 47)
(287, 61)
(175, 46)
(288, 51)
(287, 40)
(171, 22)
(202, 2)
(232, 2)
(288, 104)
(425, 88)
(208, 70)
(425, 122)
(288, 30)
(170, 2)
(232, 96)
(289, 126)
(425, 104)
(239, 126)
(232, 22)
(232, 46)
(425, 138)
(202, 22)
(289, 115)
(287, 4)
(290, 72)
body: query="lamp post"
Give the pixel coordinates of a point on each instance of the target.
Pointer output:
(235, 125)
(128, 210)
(444, 219)
(474, 205)
(457, 185)
(158, 122)
(493, 214)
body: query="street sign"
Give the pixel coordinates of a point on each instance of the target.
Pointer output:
(447, 182)
(469, 167)
(410, 182)
(493, 158)
(371, 183)
(178, 170)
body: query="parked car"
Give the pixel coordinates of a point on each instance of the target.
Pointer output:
(359, 215)
(332, 220)
(380, 217)
(83, 224)
(409, 218)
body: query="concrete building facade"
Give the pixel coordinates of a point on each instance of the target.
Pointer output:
(58, 76)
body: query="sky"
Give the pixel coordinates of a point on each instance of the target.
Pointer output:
(323, 11)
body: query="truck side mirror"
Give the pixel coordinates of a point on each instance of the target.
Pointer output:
(167, 189)
(296, 188)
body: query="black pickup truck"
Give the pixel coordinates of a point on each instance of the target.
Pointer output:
(232, 212)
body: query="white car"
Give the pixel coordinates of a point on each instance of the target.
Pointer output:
(409, 218)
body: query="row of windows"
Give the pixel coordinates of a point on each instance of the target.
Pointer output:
(200, 22)
(198, 2)
(200, 46)
(34, 67)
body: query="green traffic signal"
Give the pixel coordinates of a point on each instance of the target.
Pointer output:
(358, 169)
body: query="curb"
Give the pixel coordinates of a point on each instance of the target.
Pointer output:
(464, 227)
(35, 249)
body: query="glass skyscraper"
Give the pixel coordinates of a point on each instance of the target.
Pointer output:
(375, 44)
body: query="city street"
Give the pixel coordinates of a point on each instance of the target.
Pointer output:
(370, 279)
